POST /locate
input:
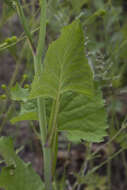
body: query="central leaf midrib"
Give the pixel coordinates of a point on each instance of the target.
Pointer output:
(62, 63)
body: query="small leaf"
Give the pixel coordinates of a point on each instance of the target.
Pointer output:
(77, 5)
(19, 177)
(27, 116)
(28, 107)
(18, 93)
(28, 112)
(65, 66)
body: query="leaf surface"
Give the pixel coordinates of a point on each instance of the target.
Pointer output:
(17, 175)
(66, 72)
(82, 117)
(18, 93)
(26, 116)
(28, 112)
(65, 66)
(28, 109)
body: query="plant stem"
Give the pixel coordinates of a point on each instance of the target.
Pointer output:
(106, 161)
(109, 168)
(40, 101)
(46, 150)
(52, 137)
(54, 152)
(124, 163)
(111, 140)
(53, 121)
(42, 33)
(25, 25)
(37, 56)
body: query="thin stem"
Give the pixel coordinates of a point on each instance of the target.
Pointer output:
(112, 139)
(106, 161)
(54, 152)
(5, 45)
(81, 180)
(109, 169)
(52, 137)
(42, 34)
(124, 163)
(35, 131)
(83, 170)
(25, 25)
(53, 121)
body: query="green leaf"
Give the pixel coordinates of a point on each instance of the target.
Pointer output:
(65, 66)
(77, 5)
(28, 107)
(82, 117)
(17, 175)
(98, 14)
(66, 72)
(26, 116)
(28, 112)
(18, 93)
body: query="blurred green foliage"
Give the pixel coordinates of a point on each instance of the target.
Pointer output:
(105, 31)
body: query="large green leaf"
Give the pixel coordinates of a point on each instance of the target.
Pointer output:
(82, 117)
(65, 66)
(67, 73)
(17, 175)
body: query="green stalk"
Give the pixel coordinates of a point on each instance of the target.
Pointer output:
(40, 101)
(53, 119)
(25, 25)
(52, 138)
(46, 150)
(42, 33)
(106, 161)
(54, 152)
(37, 56)
(109, 169)
(94, 169)
(124, 163)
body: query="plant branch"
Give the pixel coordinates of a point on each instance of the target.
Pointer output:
(25, 25)
(42, 34)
